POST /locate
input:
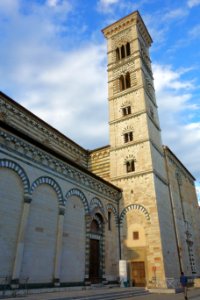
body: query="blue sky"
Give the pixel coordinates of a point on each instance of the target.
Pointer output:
(53, 61)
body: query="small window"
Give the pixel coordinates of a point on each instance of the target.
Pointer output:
(128, 137)
(117, 54)
(126, 110)
(122, 51)
(135, 235)
(121, 83)
(109, 220)
(128, 80)
(128, 49)
(130, 166)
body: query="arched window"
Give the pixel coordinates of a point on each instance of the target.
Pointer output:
(128, 137)
(117, 54)
(122, 51)
(121, 83)
(128, 80)
(128, 49)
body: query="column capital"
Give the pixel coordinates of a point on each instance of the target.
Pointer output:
(27, 198)
(61, 210)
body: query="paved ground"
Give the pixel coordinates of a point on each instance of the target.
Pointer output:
(108, 294)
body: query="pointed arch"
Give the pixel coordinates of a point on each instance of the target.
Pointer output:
(77, 192)
(5, 163)
(132, 207)
(50, 181)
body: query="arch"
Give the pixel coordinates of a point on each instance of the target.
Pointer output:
(131, 207)
(95, 202)
(77, 192)
(5, 163)
(52, 183)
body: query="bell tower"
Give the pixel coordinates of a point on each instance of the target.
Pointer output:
(136, 154)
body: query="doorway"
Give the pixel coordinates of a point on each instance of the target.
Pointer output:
(94, 261)
(138, 273)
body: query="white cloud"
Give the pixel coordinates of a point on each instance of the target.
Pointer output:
(192, 3)
(175, 14)
(106, 5)
(174, 97)
(194, 32)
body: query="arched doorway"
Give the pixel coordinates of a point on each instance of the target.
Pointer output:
(95, 260)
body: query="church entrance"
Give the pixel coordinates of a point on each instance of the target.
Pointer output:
(94, 261)
(138, 273)
(95, 249)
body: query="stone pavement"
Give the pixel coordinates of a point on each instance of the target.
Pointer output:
(108, 294)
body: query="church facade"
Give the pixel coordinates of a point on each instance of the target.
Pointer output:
(69, 215)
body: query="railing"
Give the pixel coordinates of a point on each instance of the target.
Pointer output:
(4, 284)
(170, 283)
(7, 288)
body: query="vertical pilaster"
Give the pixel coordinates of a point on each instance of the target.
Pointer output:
(87, 246)
(59, 246)
(20, 241)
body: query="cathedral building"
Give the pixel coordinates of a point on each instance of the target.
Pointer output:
(68, 216)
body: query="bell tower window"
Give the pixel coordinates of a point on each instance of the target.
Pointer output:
(128, 49)
(126, 111)
(128, 80)
(117, 54)
(121, 83)
(130, 166)
(128, 137)
(122, 51)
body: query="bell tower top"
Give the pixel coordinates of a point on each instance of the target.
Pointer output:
(132, 19)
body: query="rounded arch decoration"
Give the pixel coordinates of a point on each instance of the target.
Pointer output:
(52, 183)
(130, 207)
(110, 207)
(5, 163)
(78, 193)
(96, 203)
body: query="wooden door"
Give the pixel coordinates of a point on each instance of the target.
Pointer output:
(138, 273)
(94, 261)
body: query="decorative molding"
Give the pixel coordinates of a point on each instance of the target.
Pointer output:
(10, 111)
(50, 181)
(78, 193)
(6, 163)
(47, 160)
(130, 207)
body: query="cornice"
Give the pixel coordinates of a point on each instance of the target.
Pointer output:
(22, 119)
(124, 23)
(38, 156)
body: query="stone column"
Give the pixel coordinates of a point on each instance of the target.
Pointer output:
(59, 246)
(20, 242)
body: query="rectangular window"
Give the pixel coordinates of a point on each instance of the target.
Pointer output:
(135, 235)
(128, 137)
(109, 220)
(130, 166)
(126, 110)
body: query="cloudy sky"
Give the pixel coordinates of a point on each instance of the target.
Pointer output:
(53, 62)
